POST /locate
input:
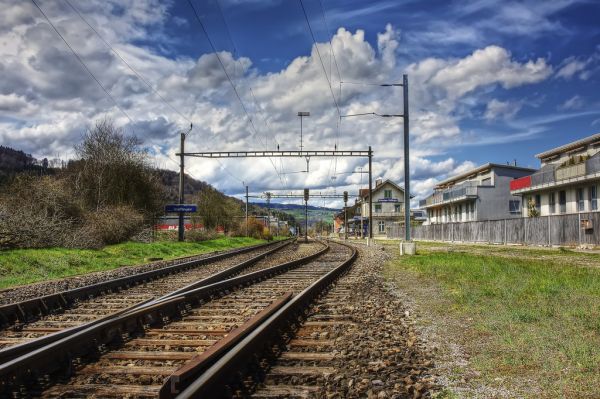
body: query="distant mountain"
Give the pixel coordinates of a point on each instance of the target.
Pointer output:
(294, 207)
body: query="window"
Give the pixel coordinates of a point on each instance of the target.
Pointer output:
(459, 218)
(593, 198)
(486, 181)
(514, 206)
(473, 210)
(387, 193)
(397, 208)
(580, 200)
(377, 208)
(562, 201)
(552, 203)
(382, 226)
(538, 202)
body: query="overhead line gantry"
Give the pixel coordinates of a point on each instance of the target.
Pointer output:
(296, 154)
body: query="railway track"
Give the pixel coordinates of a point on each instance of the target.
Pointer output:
(54, 316)
(290, 357)
(161, 347)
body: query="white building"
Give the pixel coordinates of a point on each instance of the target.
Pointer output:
(567, 181)
(388, 207)
(481, 193)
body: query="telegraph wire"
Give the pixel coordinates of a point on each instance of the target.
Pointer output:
(319, 55)
(260, 110)
(237, 94)
(81, 62)
(125, 62)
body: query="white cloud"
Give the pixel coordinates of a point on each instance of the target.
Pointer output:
(576, 67)
(574, 102)
(501, 109)
(47, 100)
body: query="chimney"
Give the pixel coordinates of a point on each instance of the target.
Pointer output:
(378, 181)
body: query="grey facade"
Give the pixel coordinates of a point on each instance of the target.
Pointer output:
(479, 194)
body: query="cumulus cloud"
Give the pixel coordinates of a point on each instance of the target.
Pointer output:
(47, 99)
(491, 65)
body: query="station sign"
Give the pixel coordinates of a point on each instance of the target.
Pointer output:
(188, 208)
(387, 200)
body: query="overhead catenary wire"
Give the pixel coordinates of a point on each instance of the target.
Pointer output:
(82, 62)
(256, 104)
(319, 55)
(139, 76)
(220, 61)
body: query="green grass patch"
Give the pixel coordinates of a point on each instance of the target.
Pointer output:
(531, 318)
(25, 266)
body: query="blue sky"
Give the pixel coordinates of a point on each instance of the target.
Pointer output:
(490, 82)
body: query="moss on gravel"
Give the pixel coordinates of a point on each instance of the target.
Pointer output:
(25, 266)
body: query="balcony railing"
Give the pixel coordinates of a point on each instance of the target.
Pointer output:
(463, 190)
(550, 176)
(570, 172)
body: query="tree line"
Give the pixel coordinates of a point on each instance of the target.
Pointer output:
(108, 194)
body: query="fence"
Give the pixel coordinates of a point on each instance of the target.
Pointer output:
(572, 229)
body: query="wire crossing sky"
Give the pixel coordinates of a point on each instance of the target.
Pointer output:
(489, 82)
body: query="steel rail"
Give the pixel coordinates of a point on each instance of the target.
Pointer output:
(61, 354)
(15, 351)
(31, 309)
(216, 381)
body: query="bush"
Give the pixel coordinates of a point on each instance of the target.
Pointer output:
(113, 224)
(196, 235)
(37, 212)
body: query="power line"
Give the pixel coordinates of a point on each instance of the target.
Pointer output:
(237, 94)
(320, 58)
(126, 63)
(81, 61)
(260, 111)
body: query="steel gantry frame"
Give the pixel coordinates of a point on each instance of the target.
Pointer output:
(296, 154)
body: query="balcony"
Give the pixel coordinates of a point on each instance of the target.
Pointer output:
(551, 176)
(453, 194)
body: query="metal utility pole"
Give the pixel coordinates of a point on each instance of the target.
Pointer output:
(247, 234)
(406, 161)
(345, 215)
(269, 211)
(306, 196)
(181, 232)
(370, 194)
(302, 114)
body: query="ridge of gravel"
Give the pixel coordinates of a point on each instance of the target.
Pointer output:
(379, 354)
(382, 355)
(22, 293)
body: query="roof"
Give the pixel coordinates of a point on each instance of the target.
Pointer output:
(571, 146)
(481, 168)
(364, 192)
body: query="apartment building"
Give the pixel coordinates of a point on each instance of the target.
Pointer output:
(482, 193)
(567, 181)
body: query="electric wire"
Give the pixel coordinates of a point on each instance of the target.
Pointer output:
(82, 62)
(139, 76)
(237, 94)
(256, 104)
(319, 55)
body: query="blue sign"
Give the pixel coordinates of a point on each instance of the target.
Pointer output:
(181, 208)
(387, 200)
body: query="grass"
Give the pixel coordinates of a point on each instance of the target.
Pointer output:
(537, 319)
(25, 266)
